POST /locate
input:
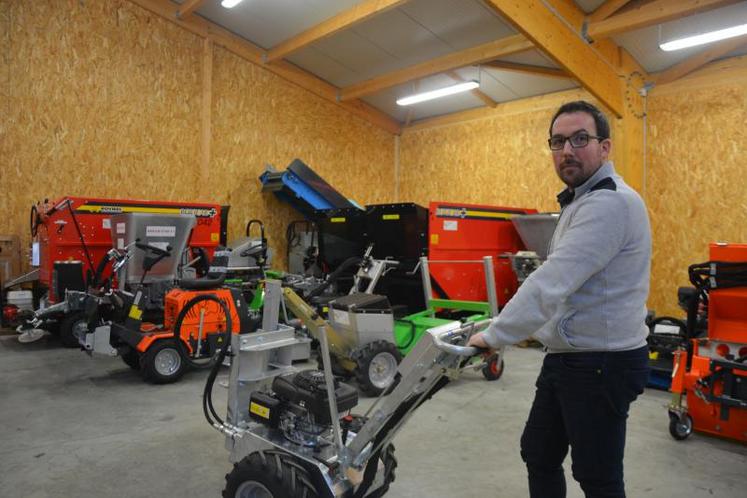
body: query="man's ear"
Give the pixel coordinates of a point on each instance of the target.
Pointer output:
(606, 148)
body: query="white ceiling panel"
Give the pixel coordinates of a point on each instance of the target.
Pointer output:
(323, 66)
(459, 23)
(523, 85)
(589, 6)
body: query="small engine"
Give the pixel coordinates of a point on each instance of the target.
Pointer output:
(299, 407)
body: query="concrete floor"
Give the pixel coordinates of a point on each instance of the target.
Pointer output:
(73, 426)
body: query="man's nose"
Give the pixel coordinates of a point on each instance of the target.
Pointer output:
(567, 148)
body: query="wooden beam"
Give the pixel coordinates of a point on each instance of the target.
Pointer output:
(528, 69)
(255, 55)
(476, 92)
(341, 21)
(552, 35)
(187, 7)
(606, 9)
(697, 61)
(475, 55)
(548, 101)
(649, 14)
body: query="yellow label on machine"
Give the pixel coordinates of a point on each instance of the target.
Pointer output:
(337, 220)
(260, 410)
(135, 313)
(214, 237)
(390, 217)
(434, 238)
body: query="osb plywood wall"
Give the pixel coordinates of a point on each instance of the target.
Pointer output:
(105, 99)
(696, 187)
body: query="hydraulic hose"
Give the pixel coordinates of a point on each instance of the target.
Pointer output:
(178, 326)
(334, 276)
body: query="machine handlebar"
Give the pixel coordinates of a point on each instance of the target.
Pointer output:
(443, 333)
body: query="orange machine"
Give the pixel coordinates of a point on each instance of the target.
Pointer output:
(711, 372)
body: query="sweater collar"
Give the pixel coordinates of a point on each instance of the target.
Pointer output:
(567, 196)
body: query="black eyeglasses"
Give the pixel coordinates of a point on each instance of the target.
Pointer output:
(577, 140)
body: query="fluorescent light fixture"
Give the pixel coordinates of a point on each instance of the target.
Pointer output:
(692, 41)
(230, 4)
(441, 92)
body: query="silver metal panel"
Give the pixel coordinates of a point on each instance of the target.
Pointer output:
(531, 57)
(363, 58)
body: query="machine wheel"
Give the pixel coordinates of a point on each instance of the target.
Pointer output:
(131, 357)
(69, 325)
(269, 474)
(377, 366)
(162, 363)
(390, 464)
(680, 427)
(492, 370)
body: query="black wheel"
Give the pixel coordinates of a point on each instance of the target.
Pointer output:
(492, 370)
(162, 363)
(337, 369)
(376, 366)
(269, 474)
(680, 426)
(390, 464)
(131, 357)
(71, 327)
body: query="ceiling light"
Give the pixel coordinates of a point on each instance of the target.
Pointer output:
(441, 92)
(709, 37)
(229, 4)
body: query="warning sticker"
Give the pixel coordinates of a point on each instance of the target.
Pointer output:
(260, 410)
(120, 228)
(160, 231)
(106, 223)
(451, 225)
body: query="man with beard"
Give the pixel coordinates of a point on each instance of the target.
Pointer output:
(587, 305)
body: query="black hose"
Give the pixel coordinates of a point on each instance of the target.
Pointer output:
(334, 276)
(180, 319)
(207, 394)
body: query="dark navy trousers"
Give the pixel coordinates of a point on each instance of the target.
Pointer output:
(582, 402)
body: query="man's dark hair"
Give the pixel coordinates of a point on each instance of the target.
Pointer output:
(603, 127)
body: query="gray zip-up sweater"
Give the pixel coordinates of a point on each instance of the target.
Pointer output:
(590, 294)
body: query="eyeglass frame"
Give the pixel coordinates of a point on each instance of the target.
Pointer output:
(569, 140)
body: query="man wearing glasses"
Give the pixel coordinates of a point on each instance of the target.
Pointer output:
(587, 305)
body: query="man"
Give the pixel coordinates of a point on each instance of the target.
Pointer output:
(587, 305)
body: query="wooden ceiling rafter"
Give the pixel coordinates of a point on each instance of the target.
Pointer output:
(551, 72)
(188, 7)
(329, 27)
(557, 38)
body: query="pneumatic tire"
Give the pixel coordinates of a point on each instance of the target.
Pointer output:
(269, 474)
(69, 325)
(162, 363)
(376, 368)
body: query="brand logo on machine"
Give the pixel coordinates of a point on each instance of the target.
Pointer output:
(99, 208)
(463, 212)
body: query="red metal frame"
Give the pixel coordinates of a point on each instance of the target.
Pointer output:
(460, 231)
(59, 239)
(727, 334)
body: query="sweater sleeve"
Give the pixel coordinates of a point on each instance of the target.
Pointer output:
(595, 234)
